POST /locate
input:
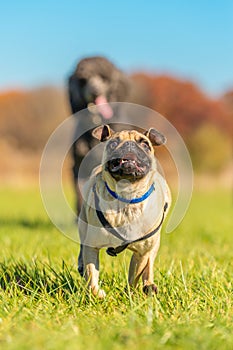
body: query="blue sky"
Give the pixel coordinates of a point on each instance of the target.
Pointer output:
(40, 41)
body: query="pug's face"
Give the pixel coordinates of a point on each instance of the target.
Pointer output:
(129, 154)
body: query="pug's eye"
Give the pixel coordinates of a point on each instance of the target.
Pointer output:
(104, 78)
(113, 144)
(145, 145)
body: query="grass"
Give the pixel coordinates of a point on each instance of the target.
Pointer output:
(43, 303)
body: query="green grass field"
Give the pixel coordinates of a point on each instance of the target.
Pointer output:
(44, 305)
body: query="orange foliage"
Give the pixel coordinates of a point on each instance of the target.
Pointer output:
(184, 104)
(27, 118)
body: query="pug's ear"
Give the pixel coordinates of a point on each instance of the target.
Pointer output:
(155, 137)
(102, 133)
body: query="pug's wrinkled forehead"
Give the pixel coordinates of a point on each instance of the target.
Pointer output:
(129, 135)
(128, 139)
(151, 137)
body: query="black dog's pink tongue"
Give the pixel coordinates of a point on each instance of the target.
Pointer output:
(103, 107)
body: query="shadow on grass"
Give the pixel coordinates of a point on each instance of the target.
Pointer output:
(38, 278)
(26, 223)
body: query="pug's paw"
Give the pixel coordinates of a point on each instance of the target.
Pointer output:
(98, 293)
(101, 294)
(150, 289)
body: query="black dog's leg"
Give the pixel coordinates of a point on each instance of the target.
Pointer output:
(78, 210)
(79, 149)
(80, 261)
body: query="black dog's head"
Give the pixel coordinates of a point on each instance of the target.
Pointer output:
(96, 81)
(128, 154)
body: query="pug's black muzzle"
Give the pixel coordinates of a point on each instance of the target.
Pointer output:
(128, 162)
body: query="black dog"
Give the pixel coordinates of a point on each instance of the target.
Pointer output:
(94, 83)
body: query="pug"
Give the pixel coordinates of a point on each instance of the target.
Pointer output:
(126, 201)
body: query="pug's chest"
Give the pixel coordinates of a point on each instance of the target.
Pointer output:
(133, 220)
(127, 215)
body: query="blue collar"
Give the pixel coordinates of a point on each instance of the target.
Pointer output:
(133, 200)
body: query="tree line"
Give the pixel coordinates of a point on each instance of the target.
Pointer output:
(27, 118)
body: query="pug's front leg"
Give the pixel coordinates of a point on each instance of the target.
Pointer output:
(142, 265)
(91, 263)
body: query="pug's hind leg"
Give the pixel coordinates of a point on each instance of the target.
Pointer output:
(91, 273)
